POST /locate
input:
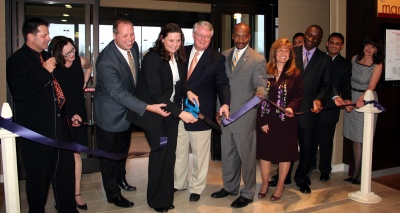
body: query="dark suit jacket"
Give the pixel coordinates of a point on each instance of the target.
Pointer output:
(207, 79)
(341, 71)
(114, 87)
(156, 86)
(317, 81)
(35, 108)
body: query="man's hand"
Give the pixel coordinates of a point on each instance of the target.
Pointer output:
(76, 120)
(193, 98)
(338, 101)
(158, 108)
(348, 108)
(265, 128)
(223, 110)
(317, 106)
(50, 64)
(187, 117)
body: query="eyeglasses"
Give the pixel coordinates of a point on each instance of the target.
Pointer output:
(203, 36)
(69, 53)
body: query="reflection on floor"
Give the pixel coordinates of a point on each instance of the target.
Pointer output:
(330, 196)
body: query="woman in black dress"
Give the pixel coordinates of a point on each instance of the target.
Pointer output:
(73, 79)
(277, 130)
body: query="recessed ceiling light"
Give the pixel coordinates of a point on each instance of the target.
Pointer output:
(66, 15)
(64, 20)
(68, 6)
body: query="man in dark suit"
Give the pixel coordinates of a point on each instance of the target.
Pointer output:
(341, 78)
(317, 79)
(246, 70)
(117, 72)
(206, 76)
(30, 80)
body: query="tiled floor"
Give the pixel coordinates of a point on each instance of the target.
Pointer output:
(330, 196)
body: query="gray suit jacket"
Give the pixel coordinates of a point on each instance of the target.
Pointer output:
(114, 88)
(249, 74)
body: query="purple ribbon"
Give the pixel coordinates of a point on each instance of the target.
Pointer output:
(72, 146)
(376, 104)
(246, 107)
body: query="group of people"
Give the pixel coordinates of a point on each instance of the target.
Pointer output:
(47, 87)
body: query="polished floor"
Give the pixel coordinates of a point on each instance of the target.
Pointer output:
(330, 196)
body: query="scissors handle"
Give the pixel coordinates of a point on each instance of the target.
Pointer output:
(192, 108)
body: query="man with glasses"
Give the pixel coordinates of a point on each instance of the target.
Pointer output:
(317, 80)
(206, 76)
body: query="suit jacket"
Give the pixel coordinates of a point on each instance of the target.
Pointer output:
(114, 87)
(155, 87)
(317, 81)
(34, 98)
(341, 78)
(249, 74)
(207, 79)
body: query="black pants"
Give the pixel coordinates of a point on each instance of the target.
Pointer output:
(324, 139)
(50, 165)
(112, 170)
(160, 188)
(306, 140)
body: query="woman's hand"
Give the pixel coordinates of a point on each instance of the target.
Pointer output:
(360, 103)
(76, 120)
(265, 128)
(187, 117)
(289, 112)
(193, 98)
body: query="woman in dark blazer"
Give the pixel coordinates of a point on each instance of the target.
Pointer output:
(161, 80)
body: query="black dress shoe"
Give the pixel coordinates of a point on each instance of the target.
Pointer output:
(324, 177)
(222, 193)
(274, 181)
(304, 188)
(161, 209)
(194, 197)
(120, 201)
(125, 185)
(241, 202)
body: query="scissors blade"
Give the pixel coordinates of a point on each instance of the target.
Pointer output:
(210, 122)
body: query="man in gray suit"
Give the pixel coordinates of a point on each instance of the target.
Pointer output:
(117, 72)
(246, 70)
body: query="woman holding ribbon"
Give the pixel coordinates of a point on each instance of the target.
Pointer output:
(366, 72)
(277, 128)
(73, 73)
(162, 80)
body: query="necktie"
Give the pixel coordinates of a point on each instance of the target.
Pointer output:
(235, 59)
(192, 64)
(132, 66)
(306, 60)
(59, 93)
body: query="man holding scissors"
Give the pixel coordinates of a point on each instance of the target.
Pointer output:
(206, 74)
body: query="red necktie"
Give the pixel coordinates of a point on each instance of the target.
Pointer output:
(57, 88)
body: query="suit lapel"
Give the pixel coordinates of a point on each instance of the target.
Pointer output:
(242, 60)
(229, 60)
(313, 61)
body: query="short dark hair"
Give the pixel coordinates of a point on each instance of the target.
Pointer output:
(119, 21)
(297, 35)
(158, 46)
(58, 43)
(318, 27)
(31, 26)
(377, 43)
(336, 34)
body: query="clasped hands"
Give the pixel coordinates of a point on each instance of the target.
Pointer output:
(50, 64)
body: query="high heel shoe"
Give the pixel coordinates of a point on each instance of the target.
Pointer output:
(274, 198)
(262, 195)
(83, 207)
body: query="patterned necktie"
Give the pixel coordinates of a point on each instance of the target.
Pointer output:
(235, 59)
(59, 93)
(193, 64)
(306, 60)
(132, 66)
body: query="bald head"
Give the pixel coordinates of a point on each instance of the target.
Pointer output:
(241, 35)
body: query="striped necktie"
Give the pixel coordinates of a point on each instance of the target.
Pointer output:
(132, 66)
(193, 64)
(235, 59)
(59, 93)
(306, 60)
